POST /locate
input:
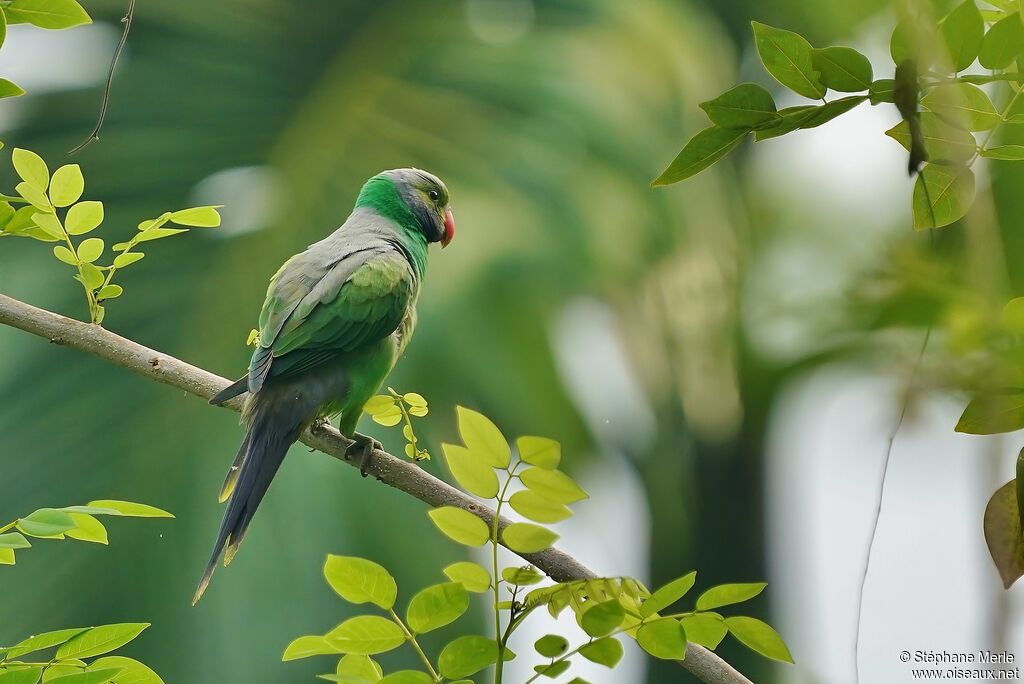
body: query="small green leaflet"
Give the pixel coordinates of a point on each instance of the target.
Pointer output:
(460, 526)
(47, 14)
(100, 640)
(787, 57)
(1003, 530)
(963, 30)
(942, 194)
(703, 150)
(842, 68)
(358, 580)
(759, 637)
(366, 635)
(1003, 42)
(993, 413)
(748, 106)
(436, 606)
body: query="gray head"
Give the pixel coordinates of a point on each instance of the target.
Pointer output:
(416, 200)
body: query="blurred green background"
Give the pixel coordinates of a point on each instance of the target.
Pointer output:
(651, 331)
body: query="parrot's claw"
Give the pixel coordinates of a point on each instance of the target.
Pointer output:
(318, 425)
(363, 447)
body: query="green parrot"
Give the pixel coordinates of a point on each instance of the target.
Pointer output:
(336, 318)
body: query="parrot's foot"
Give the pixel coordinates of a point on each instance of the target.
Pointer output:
(362, 446)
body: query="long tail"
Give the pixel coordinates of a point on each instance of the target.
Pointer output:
(273, 428)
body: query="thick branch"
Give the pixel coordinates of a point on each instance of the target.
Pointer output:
(398, 473)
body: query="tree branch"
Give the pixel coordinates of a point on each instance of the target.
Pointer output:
(398, 473)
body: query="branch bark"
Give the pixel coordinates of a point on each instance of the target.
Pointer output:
(395, 472)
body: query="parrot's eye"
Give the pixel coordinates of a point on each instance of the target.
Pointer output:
(434, 195)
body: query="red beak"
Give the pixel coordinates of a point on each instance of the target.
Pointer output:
(449, 227)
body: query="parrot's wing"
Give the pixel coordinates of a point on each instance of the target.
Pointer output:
(363, 298)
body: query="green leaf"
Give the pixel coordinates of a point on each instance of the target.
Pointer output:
(122, 260)
(663, 639)
(366, 635)
(759, 637)
(90, 676)
(388, 417)
(668, 594)
(706, 629)
(90, 250)
(552, 670)
(436, 606)
(46, 522)
(91, 275)
(467, 655)
(408, 677)
(358, 581)
(109, 292)
(158, 233)
(131, 510)
(601, 619)
(748, 106)
(1003, 533)
(471, 470)
(606, 651)
(10, 89)
(100, 640)
(66, 255)
(535, 507)
(379, 404)
(728, 594)
(942, 194)
(808, 116)
(50, 225)
(703, 150)
(539, 451)
(307, 646)
(31, 168)
(460, 526)
(1003, 42)
(43, 641)
(87, 529)
(842, 68)
(67, 185)
(28, 675)
(1005, 152)
(551, 645)
(33, 195)
(522, 576)
(198, 217)
(63, 667)
(47, 14)
(482, 437)
(132, 671)
(992, 414)
(360, 666)
(962, 105)
(963, 30)
(473, 577)
(882, 90)
(6, 556)
(13, 540)
(553, 485)
(84, 217)
(527, 538)
(787, 57)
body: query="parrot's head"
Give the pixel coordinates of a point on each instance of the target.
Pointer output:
(425, 197)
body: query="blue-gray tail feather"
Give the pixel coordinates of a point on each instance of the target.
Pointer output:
(273, 428)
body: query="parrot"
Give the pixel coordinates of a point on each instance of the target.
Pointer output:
(335, 320)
